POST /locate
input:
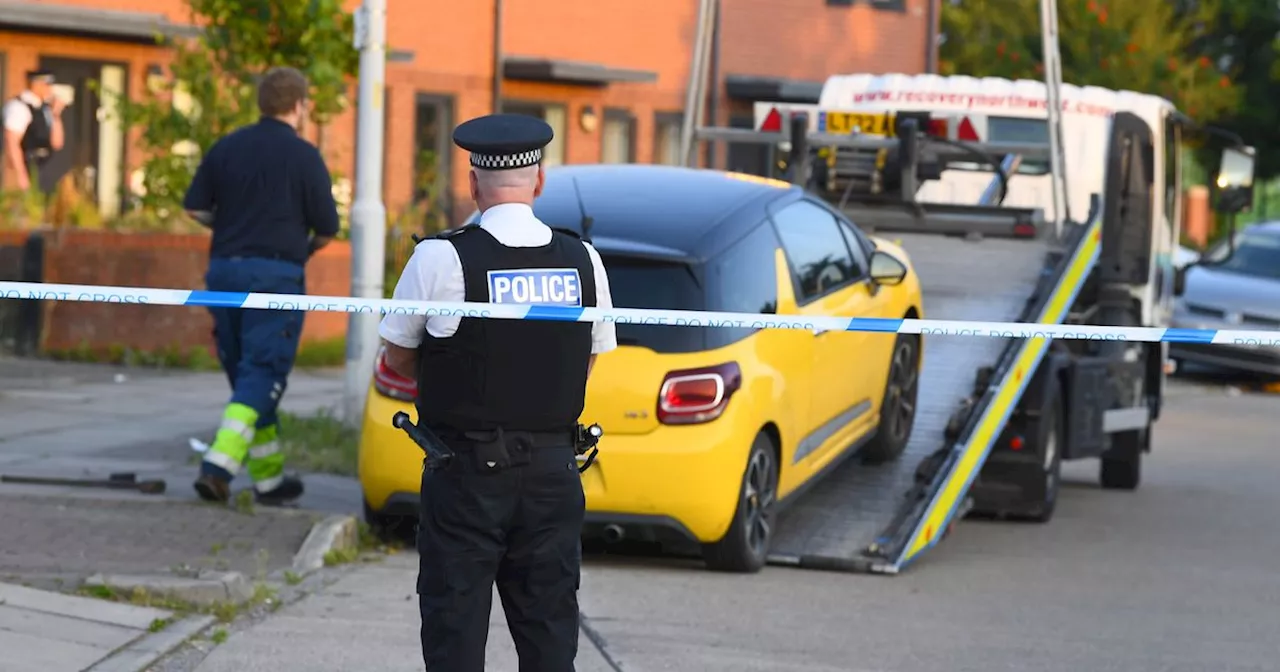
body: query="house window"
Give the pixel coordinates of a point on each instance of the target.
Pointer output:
(618, 137)
(555, 116)
(432, 121)
(666, 138)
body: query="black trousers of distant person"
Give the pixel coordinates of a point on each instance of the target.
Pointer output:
(519, 528)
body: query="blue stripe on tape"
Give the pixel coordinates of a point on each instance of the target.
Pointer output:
(878, 324)
(201, 297)
(1189, 335)
(555, 313)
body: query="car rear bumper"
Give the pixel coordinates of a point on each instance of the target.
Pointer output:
(1261, 360)
(684, 479)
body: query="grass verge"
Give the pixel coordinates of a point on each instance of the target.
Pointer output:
(225, 611)
(311, 355)
(319, 443)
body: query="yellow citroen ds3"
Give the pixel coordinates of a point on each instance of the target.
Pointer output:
(708, 429)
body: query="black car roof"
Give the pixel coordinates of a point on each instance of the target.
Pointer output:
(653, 209)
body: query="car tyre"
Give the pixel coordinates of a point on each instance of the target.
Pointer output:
(1052, 438)
(391, 529)
(745, 547)
(898, 408)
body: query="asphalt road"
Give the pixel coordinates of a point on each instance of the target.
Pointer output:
(1180, 575)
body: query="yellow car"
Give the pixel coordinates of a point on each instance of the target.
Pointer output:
(708, 428)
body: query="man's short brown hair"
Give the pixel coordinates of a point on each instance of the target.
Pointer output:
(280, 91)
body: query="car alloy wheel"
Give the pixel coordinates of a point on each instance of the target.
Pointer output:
(900, 403)
(759, 495)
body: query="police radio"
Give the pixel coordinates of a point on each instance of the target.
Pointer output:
(585, 438)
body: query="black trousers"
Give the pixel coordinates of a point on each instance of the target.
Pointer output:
(520, 528)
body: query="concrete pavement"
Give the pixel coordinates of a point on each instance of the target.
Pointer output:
(88, 421)
(77, 420)
(48, 632)
(367, 620)
(1179, 576)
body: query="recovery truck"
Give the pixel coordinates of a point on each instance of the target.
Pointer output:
(900, 155)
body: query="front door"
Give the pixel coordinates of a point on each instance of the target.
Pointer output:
(827, 284)
(92, 155)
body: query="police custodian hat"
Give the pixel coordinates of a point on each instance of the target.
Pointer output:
(504, 141)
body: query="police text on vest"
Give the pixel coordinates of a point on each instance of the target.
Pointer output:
(536, 286)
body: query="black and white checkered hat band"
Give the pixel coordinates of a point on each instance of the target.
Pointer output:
(506, 161)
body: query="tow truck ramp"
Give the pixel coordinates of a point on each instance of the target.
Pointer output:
(975, 263)
(878, 518)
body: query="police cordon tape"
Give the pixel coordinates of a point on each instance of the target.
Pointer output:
(680, 318)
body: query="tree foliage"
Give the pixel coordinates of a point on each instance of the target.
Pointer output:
(1151, 46)
(1245, 38)
(211, 87)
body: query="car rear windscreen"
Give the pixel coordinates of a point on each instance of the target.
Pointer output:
(656, 285)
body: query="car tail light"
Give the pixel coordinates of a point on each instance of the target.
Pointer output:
(388, 383)
(937, 128)
(1024, 230)
(1016, 443)
(693, 396)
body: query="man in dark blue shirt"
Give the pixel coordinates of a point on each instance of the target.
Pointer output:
(266, 194)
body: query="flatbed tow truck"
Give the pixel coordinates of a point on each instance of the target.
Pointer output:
(996, 416)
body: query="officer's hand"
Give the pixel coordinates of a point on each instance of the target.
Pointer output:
(58, 105)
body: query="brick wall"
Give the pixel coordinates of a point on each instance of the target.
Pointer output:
(161, 261)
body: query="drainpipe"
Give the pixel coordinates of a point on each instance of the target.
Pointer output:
(497, 56)
(931, 37)
(713, 103)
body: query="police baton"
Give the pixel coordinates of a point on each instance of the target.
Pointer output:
(438, 454)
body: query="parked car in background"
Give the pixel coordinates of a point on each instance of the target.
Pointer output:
(1233, 291)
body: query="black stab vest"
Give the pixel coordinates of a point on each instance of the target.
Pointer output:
(518, 375)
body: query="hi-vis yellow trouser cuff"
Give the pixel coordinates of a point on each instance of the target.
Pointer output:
(237, 441)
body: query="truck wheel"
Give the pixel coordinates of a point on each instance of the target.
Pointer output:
(1051, 440)
(745, 547)
(898, 408)
(1121, 467)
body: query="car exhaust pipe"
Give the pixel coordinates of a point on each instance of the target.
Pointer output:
(614, 533)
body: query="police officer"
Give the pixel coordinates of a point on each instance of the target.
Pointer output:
(504, 396)
(266, 194)
(33, 126)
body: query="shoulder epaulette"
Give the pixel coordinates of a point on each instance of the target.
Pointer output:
(568, 232)
(447, 233)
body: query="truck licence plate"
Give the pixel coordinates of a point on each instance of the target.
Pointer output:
(847, 123)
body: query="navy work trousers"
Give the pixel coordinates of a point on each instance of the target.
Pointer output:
(520, 527)
(257, 347)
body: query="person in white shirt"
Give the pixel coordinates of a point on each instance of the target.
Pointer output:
(32, 127)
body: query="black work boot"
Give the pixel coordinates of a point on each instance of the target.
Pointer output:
(288, 490)
(214, 484)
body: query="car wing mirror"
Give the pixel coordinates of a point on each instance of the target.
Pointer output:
(887, 269)
(1233, 185)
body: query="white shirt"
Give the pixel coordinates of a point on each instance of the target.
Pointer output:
(17, 116)
(434, 273)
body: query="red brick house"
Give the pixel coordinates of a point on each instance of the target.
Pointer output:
(610, 77)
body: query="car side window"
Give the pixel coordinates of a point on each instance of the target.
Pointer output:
(856, 248)
(820, 259)
(742, 276)
(741, 279)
